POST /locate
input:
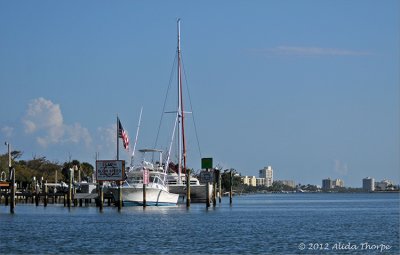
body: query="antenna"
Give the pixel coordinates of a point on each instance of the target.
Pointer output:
(136, 138)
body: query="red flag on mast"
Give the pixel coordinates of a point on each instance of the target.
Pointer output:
(123, 134)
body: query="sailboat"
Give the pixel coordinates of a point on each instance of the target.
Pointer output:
(177, 177)
(164, 183)
(145, 183)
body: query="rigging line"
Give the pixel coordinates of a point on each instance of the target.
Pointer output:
(191, 108)
(165, 100)
(170, 146)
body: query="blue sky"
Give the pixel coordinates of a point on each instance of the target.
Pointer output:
(308, 87)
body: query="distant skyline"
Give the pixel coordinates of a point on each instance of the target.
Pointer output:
(308, 87)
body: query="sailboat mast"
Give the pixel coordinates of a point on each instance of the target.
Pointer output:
(179, 104)
(181, 116)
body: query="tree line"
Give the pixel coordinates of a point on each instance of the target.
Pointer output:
(39, 167)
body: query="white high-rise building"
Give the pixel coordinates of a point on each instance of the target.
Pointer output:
(368, 184)
(268, 174)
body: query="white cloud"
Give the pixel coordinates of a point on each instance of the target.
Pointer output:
(42, 113)
(309, 51)
(30, 127)
(77, 133)
(44, 119)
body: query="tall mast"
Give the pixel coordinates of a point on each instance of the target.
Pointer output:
(179, 104)
(181, 129)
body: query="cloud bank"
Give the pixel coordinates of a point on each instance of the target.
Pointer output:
(44, 119)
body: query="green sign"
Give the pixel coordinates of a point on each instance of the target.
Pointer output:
(206, 163)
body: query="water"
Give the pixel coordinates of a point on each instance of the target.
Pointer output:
(255, 224)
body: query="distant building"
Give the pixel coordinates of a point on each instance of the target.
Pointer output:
(289, 183)
(260, 181)
(249, 180)
(268, 174)
(338, 183)
(368, 184)
(245, 180)
(327, 184)
(384, 185)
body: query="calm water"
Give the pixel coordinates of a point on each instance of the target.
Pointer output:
(266, 224)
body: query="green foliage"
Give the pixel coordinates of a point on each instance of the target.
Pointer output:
(87, 170)
(4, 164)
(225, 181)
(65, 170)
(41, 167)
(309, 187)
(23, 174)
(16, 154)
(279, 186)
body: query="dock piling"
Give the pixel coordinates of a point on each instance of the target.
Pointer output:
(208, 193)
(37, 193)
(101, 196)
(13, 187)
(45, 194)
(119, 195)
(214, 193)
(230, 187)
(69, 195)
(144, 195)
(188, 188)
(219, 186)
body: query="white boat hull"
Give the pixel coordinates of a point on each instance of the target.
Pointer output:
(154, 196)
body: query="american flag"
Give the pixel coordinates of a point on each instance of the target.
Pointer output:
(123, 134)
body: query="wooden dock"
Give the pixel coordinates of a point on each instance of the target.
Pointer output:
(88, 194)
(44, 198)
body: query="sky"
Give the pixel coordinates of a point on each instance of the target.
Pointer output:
(308, 87)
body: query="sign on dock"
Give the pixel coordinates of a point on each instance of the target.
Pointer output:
(206, 176)
(110, 170)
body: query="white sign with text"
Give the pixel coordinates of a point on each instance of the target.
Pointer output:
(110, 170)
